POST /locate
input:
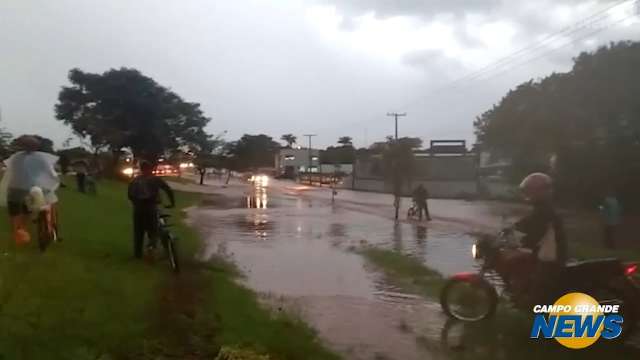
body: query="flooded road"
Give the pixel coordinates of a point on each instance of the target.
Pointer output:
(299, 250)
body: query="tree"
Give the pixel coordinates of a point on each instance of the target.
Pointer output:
(5, 143)
(252, 151)
(122, 108)
(204, 155)
(70, 155)
(345, 141)
(399, 163)
(290, 139)
(46, 145)
(589, 118)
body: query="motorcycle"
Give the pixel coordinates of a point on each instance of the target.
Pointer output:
(506, 270)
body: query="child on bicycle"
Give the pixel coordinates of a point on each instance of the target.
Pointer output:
(144, 194)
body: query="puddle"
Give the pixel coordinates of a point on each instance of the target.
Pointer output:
(299, 252)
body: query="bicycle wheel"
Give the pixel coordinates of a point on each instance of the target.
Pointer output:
(44, 230)
(173, 254)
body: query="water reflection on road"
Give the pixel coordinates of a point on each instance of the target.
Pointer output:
(299, 251)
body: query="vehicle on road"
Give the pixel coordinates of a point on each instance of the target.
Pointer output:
(166, 170)
(506, 270)
(259, 180)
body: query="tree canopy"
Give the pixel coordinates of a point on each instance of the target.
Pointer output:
(251, 151)
(122, 108)
(46, 145)
(290, 139)
(5, 143)
(589, 118)
(345, 141)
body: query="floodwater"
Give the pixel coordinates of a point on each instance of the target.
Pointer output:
(297, 248)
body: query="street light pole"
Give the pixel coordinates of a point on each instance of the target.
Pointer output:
(396, 186)
(309, 150)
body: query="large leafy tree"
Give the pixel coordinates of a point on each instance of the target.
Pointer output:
(122, 108)
(252, 151)
(46, 144)
(589, 118)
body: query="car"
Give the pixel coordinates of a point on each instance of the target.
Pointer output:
(259, 180)
(166, 170)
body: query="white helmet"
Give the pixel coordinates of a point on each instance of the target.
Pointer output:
(537, 186)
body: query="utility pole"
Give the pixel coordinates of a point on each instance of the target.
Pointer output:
(395, 115)
(309, 150)
(396, 180)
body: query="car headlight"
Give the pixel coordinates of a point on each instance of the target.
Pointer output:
(128, 171)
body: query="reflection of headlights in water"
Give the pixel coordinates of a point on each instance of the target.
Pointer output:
(260, 180)
(261, 200)
(474, 251)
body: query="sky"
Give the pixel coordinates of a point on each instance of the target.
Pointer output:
(326, 67)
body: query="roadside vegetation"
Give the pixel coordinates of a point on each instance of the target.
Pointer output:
(86, 298)
(406, 272)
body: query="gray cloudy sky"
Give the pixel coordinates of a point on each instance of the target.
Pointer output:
(302, 66)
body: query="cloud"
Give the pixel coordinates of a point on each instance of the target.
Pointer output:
(421, 8)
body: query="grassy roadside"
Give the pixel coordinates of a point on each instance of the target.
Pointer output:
(86, 298)
(406, 272)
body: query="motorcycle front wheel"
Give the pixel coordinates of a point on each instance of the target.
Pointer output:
(469, 300)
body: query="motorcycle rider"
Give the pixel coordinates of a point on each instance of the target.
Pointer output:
(544, 234)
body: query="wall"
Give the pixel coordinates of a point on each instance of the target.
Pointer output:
(301, 158)
(437, 189)
(331, 168)
(443, 176)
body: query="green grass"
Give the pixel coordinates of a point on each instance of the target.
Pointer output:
(407, 272)
(86, 298)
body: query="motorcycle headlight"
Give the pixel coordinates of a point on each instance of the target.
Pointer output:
(474, 251)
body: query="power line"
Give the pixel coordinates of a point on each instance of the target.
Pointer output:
(504, 62)
(566, 31)
(501, 63)
(585, 36)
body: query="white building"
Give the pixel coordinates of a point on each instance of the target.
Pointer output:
(291, 161)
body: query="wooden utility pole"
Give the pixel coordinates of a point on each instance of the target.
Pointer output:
(396, 185)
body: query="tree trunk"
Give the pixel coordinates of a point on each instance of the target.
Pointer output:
(202, 173)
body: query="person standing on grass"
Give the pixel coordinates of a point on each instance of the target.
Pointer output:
(611, 212)
(420, 196)
(81, 177)
(144, 194)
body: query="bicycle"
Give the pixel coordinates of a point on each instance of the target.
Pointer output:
(168, 241)
(47, 226)
(46, 217)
